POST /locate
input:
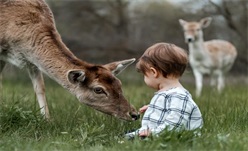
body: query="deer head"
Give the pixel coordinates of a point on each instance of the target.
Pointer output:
(193, 30)
(97, 86)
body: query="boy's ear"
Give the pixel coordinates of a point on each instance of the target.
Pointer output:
(154, 72)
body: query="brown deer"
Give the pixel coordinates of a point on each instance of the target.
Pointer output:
(29, 39)
(214, 57)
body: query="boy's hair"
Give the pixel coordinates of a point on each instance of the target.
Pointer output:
(168, 59)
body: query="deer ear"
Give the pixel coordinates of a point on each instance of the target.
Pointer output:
(205, 22)
(118, 66)
(75, 76)
(182, 22)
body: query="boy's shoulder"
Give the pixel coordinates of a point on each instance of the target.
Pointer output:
(175, 91)
(178, 93)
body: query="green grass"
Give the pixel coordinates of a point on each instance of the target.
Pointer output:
(77, 127)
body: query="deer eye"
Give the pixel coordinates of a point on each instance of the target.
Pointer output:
(98, 90)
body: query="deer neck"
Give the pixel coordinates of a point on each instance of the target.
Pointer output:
(197, 50)
(56, 60)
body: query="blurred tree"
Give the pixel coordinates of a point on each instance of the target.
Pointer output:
(155, 21)
(227, 12)
(103, 25)
(113, 15)
(108, 30)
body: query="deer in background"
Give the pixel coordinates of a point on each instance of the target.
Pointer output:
(214, 57)
(29, 39)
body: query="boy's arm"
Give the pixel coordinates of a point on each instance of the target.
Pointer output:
(143, 109)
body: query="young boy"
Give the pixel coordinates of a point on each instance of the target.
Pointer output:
(172, 106)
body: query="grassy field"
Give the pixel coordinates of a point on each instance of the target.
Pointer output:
(77, 127)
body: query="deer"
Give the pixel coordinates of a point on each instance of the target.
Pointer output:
(215, 57)
(29, 39)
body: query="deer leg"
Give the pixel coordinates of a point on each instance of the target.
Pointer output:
(221, 83)
(198, 82)
(2, 65)
(39, 88)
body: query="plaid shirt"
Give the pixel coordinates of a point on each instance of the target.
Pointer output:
(171, 109)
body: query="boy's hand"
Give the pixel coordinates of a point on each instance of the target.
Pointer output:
(145, 133)
(143, 109)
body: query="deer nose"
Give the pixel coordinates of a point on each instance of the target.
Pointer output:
(135, 116)
(189, 40)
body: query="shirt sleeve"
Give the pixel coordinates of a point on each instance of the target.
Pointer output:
(175, 113)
